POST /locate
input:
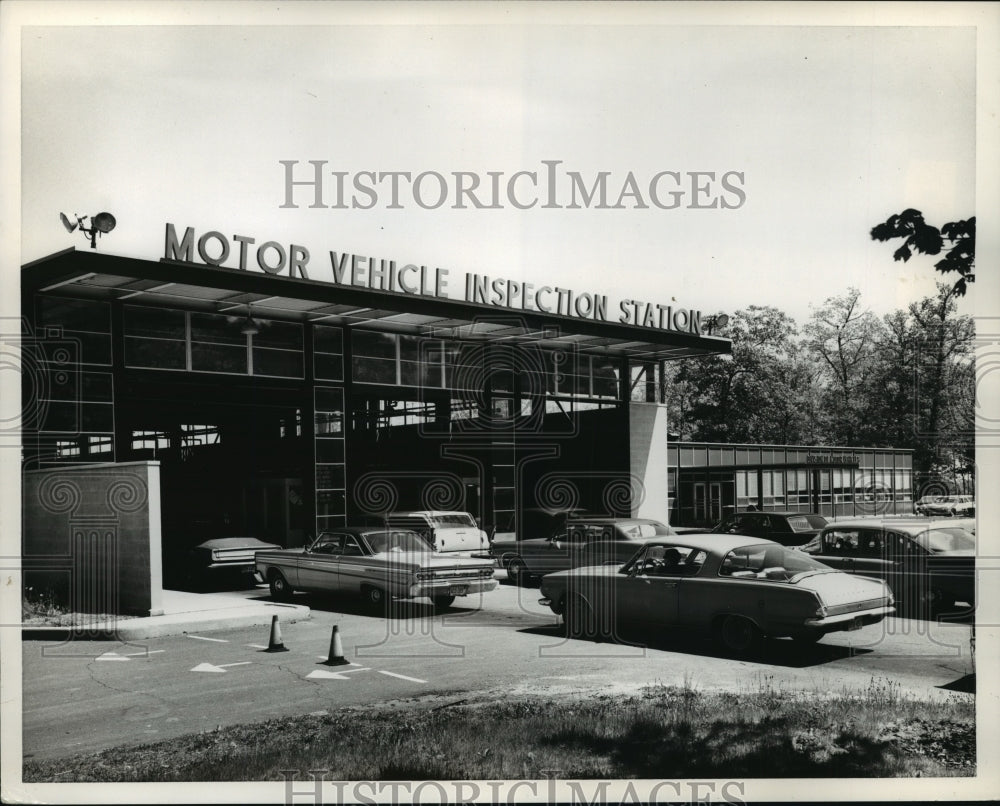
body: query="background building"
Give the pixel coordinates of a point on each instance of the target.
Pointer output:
(709, 481)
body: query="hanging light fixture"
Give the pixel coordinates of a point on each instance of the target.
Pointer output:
(250, 325)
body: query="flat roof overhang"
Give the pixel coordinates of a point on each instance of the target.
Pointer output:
(214, 289)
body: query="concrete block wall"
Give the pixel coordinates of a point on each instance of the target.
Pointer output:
(94, 532)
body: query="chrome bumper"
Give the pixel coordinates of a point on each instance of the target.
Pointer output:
(434, 587)
(876, 614)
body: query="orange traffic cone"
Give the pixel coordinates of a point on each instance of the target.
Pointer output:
(275, 644)
(335, 657)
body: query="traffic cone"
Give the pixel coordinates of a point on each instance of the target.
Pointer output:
(275, 644)
(335, 657)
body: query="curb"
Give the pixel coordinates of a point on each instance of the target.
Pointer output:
(162, 626)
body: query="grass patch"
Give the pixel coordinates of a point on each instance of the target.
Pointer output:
(664, 732)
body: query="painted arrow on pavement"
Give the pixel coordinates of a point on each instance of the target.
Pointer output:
(208, 667)
(320, 674)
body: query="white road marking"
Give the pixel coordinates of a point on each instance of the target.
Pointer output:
(111, 656)
(203, 638)
(257, 646)
(143, 654)
(208, 667)
(403, 677)
(322, 675)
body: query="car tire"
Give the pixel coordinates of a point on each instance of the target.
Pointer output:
(933, 602)
(579, 619)
(517, 571)
(375, 598)
(739, 635)
(281, 591)
(443, 602)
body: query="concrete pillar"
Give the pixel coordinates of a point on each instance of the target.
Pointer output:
(648, 460)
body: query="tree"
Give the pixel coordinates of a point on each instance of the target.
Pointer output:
(929, 240)
(843, 337)
(748, 396)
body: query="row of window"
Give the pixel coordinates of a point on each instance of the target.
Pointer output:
(837, 486)
(168, 339)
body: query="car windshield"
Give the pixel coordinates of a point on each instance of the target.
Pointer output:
(454, 519)
(952, 538)
(806, 523)
(398, 541)
(772, 562)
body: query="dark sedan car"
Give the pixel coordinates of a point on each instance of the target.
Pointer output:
(581, 541)
(223, 558)
(929, 565)
(787, 528)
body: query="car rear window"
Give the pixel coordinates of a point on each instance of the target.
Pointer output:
(806, 523)
(454, 519)
(946, 539)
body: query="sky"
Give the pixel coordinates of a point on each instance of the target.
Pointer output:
(826, 130)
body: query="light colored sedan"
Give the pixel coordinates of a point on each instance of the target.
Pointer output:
(379, 564)
(738, 589)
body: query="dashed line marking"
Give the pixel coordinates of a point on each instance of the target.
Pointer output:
(257, 646)
(111, 656)
(403, 677)
(203, 638)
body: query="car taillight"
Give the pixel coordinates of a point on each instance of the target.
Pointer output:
(821, 610)
(215, 555)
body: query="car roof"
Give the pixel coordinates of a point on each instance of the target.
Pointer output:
(783, 512)
(910, 527)
(431, 513)
(712, 541)
(611, 519)
(360, 531)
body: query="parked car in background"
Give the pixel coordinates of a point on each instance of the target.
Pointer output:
(929, 565)
(376, 563)
(787, 528)
(447, 532)
(921, 504)
(737, 589)
(581, 541)
(535, 522)
(222, 559)
(951, 506)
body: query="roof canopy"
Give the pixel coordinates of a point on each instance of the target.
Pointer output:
(197, 287)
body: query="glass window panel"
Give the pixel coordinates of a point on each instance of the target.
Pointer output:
(278, 363)
(329, 477)
(77, 348)
(329, 423)
(329, 450)
(217, 329)
(154, 353)
(219, 358)
(373, 345)
(373, 370)
(329, 399)
(100, 444)
(97, 417)
(279, 335)
(75, 314)
(156, 322)
(61, 417)
(328, 367)
(96, 386)
(409, 347)
(328, 339)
